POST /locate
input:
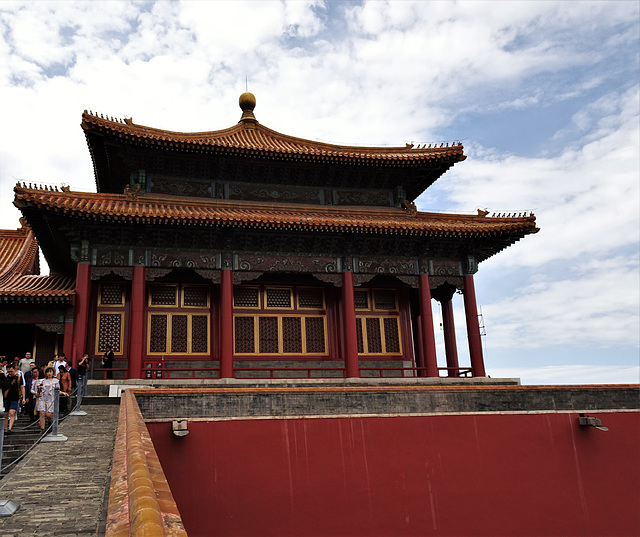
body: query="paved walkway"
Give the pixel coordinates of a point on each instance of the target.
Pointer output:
(62, 487)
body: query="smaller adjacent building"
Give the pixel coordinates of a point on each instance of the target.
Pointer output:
(247, 252)
(33, 308)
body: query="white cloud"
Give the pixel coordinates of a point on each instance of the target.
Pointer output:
(570, 374)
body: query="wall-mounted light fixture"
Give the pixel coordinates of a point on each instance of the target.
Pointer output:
(591, 421)
(179, 427)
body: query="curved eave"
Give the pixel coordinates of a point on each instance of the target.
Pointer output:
(254, 139)
(161, 210)
(29, 289)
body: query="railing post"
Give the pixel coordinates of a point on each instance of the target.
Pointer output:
(7, 507)
(54, 436)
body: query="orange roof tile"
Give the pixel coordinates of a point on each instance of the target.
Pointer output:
(210, 212)
(18, 252)
(250, 137)
(19, 281)
(32, 288)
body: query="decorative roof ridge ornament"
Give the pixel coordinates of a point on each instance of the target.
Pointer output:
(132, 191)
(247, 102)
(411, 208)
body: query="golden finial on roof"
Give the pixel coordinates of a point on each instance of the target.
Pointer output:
(247, 103)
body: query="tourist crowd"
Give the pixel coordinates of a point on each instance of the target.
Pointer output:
(29, 389)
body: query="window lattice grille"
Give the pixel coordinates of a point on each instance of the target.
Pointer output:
(246, 297)
(112, 294)
(391, 335)
(361, 299)
(278, 298)
(311, 298)
(109, 332)
(292, 334)
(179, 333)
(359, 336)
(158, 334)
(197, 297)
(163, 295)
(384, 299)
(374, 335)
(268, 334)
(314, 332)
(244, 342)
(199, 333)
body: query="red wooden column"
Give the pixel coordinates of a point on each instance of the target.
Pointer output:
(226, 324)
(350, 335)
(473, 328)
(450, 346)
(81, 314)
(426, 330)
(136, 323)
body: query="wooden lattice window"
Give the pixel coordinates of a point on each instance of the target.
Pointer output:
(315, 335)
(111, 294)
(384, 299)
(178, 333)
(361, 299)
(199, 334)
(292, 335)
(244, 334)
(268, 335)
(110, 332)
(195, 296)
(280, 334)
(163, 295)
(246, 297)
(378, 335)
(158, 333)
(278, 298)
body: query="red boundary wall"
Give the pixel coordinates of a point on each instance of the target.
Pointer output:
(483, 474)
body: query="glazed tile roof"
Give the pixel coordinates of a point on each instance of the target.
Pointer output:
(19, 278)
(250, 137)
(153, 208)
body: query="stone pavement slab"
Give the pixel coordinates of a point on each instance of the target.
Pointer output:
(63, 487)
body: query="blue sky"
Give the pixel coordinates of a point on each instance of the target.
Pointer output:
(543, 95)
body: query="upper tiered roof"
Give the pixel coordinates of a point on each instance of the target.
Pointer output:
(107, 136)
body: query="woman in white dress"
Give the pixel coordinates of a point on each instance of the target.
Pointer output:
(45, 395)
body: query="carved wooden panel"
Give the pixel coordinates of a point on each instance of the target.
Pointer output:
(277, 193)
(178, 186)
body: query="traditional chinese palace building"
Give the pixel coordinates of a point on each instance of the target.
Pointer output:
(243, 252)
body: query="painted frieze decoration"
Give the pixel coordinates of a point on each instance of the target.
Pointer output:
(100, 272)
(180, 187)
(445, 271)
(277, 193)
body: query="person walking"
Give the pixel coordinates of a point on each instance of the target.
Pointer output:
(32, 392)
(65, 387)
(25, 363)
(13, 392)
(83, 364)
(107, 361)
(45, 395)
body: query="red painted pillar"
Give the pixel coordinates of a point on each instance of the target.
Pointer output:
(136, 323)
(451, 349)
(350, 335)
(428, 339)
(226, 324)
(473, 328)
(81, 314)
